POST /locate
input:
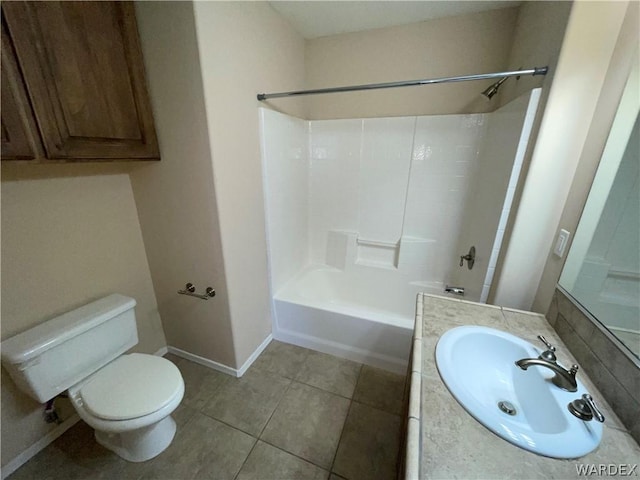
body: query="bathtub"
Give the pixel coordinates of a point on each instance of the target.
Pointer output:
(362, 314)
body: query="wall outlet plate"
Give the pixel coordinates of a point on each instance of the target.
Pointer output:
(561, 243)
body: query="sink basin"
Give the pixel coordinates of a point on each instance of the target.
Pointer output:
(477, 364)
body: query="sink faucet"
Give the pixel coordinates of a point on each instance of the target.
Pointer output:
(564, 379)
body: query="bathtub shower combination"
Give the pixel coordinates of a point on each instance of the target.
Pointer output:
(362, 214)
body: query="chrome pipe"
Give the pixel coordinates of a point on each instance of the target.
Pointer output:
(407, 83)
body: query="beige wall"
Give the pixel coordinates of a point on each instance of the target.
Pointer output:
(70, 235)
(599, 125)
(460, 45)
(245, 48)
(176, 198)
(537, 42)
(586, 52)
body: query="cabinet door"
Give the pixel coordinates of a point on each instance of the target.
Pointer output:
(20, 139)
(82, 65)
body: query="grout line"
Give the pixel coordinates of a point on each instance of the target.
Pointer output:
(276, 408)
(257, 438)
(380, 409)
(295, 455)
(335, 454)
(246, 458)
(323, 390)
(227, 424)
(281, 448)
(329, 469)
(329, 391)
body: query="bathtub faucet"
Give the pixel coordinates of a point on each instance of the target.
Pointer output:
(454, 290)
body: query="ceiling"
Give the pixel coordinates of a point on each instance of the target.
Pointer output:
(313, 19)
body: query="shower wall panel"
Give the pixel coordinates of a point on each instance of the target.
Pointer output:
(285, 170)
(486, 211)
(443, 169)
(334, 153)
(398, 185)
(384, 174)
(388, 193)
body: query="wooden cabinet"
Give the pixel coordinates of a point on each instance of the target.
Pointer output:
(81, 66)
(20, 139)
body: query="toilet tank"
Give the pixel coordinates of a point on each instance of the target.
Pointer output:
(48, 359)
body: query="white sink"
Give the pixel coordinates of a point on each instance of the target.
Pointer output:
(477, 364)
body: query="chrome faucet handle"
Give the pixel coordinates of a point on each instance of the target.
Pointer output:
(548, 354)
(585, 408)
(469, 257)
(546, 344)
(594, 408)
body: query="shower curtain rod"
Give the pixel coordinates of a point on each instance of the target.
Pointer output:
(407, 83)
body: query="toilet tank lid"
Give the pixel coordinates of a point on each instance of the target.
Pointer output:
(35, 341)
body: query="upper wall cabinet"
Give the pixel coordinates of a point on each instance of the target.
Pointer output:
(20, 139)
(82, 68)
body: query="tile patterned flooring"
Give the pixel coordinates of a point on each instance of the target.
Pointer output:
(296, 414)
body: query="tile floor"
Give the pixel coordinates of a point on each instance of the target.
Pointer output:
(295, 414)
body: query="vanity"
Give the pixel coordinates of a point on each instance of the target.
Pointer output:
(444, 441)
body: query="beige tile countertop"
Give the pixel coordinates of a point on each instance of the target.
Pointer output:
(446, 442)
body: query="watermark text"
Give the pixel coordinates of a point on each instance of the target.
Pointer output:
(607, 469)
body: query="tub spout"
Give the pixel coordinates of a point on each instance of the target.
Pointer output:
(454, 290)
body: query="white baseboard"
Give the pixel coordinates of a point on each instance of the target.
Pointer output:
(203, 361)
(252, 358)
(162, 351)
(37, 447)
(219, 366)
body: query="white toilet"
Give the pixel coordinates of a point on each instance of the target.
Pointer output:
(127, 399)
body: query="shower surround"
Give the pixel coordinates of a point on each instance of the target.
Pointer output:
(363, 214)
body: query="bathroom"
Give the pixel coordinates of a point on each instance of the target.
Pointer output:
(73, 233)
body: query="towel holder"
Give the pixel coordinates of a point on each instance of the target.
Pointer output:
(189, 289)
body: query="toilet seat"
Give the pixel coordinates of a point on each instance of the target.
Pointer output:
(131, 386)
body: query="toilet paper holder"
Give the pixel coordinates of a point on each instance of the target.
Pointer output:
(190, 289)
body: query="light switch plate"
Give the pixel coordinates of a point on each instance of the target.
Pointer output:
(561, 243)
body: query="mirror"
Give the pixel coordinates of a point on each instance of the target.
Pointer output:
(602, 270)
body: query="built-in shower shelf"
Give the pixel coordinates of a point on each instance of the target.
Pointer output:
(376, 253)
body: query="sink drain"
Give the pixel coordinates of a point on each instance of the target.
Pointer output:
(507, 407)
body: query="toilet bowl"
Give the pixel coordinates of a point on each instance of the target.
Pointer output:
(126, 398)
(129, 402)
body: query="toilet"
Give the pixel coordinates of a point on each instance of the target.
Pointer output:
(126, 398)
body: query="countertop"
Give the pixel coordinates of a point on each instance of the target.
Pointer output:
(444, 441)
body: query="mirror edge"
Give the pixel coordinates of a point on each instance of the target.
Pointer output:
(600, 326)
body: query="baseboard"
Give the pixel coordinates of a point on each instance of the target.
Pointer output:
(162, 351)
(37, 447)
(385, 362)
(219, 366)
(252, 358)
(203, 361)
